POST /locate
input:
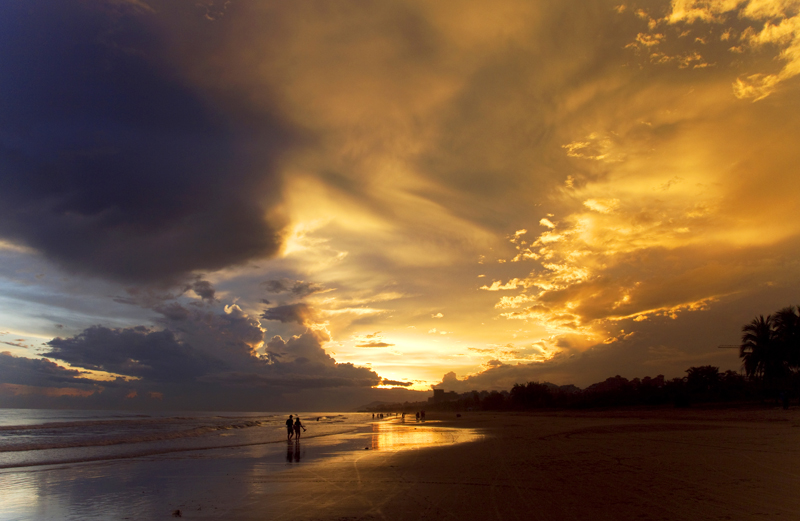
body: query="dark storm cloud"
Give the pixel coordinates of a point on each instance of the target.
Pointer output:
(112, 163)
(37, 372)
(300, 313)
(301, 349)
(200, 351)
(204, 289)
(173, 312)
(138, 352)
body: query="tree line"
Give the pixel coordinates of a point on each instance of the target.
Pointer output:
(770, 354)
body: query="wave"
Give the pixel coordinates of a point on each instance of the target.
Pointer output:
(126, 420)
(162, 436)
(70, 440)
(152, 452)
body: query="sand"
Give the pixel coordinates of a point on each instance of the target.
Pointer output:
(669, 464)
(617, 465)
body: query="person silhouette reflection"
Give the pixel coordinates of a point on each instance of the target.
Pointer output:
(293, 453)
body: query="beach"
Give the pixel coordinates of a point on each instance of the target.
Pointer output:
(662, 464)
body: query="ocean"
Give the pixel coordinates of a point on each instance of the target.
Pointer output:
(58, 465)
(32, 437)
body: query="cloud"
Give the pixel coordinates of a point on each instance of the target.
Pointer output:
(38, 372)
(396, 383)
(300, 313)
(374, 344)
(136, 352)
(291, 381)
(382, 149)
(758, 24)
(498, 285)
(199, 352)
(298, 288)
(204, 289)
(174, 311)
(306, 347)
(301, 361)
(119, 166)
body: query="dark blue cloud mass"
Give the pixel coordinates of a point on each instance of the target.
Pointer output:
(139, 352)
(112, 162)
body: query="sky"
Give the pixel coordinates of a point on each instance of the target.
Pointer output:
(265, 205)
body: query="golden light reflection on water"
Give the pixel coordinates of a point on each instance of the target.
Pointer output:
(392, 436)
(18, 492)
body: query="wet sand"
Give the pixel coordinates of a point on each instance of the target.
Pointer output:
(668, 464)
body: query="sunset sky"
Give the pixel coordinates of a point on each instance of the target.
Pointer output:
(315, 204)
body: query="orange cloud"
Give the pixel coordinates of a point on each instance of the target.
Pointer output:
(27, 390)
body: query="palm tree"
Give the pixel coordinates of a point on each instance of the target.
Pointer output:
(787, 333)
(757, 349)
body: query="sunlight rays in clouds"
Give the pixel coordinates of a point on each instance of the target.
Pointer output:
(650, 231)
(380, 193)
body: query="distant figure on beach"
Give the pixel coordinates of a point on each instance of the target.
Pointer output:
(417, 415)
(297, 427)
(422, 415)
(289, 428)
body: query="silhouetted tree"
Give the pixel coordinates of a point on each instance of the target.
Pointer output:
(703, 379)
(787, 334)
(758, 346)
(531, 395)
(494, 402)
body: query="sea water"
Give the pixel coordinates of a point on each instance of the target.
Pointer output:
(100, 465)
(32, 437)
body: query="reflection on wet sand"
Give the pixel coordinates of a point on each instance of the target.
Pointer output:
(294, 452)
(397, 436)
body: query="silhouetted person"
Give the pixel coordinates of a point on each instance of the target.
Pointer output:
(289, 428)
(417, 415)
(297, 427)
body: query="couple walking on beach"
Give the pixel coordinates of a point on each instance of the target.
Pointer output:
(293, 428)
